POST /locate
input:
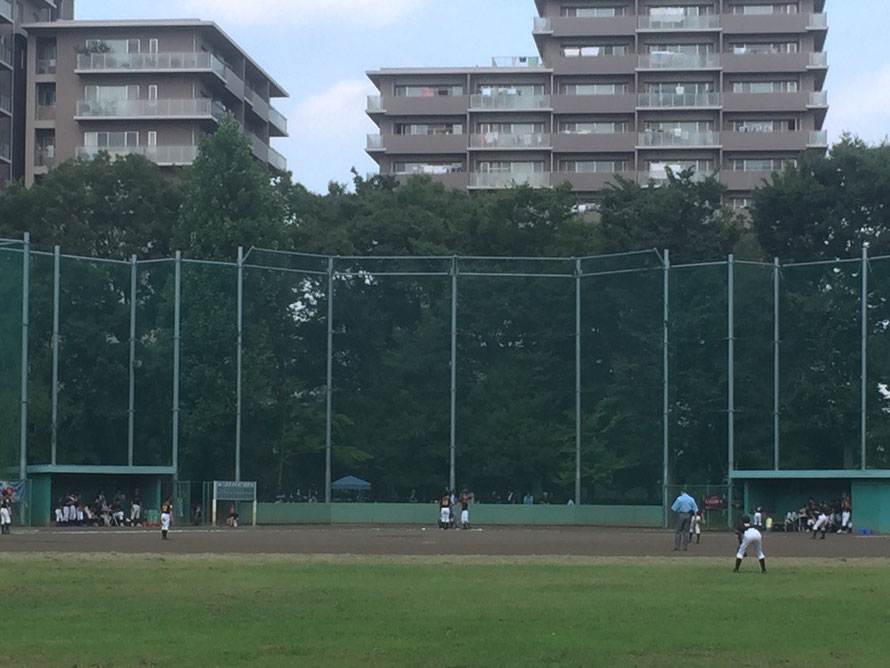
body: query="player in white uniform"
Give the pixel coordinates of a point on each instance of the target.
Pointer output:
(5, 516)
(166, 512)
(750, 538)
(821, 523)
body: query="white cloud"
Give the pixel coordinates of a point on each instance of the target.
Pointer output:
(334, 113)
(861, 105)
(289, 13)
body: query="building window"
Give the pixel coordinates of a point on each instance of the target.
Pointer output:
(764, 87)
(593, 88)
(593, 166)
(741, 203)
(592, 127)
(428, 129)
(679, 128)
(658, 169)
(782, 8)
(153, 92)
(428, 91)
(770, 48)
(110, 93)
(152, 138)
(511, 167)
(680, 88)
(510, 89)
(594, 50)
(427, 167)
(510, 128)
(764, 126)
(110, 139)
(762, 164)
(153, 46)
(593, 12)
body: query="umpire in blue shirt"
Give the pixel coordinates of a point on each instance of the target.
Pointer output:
(685, 507)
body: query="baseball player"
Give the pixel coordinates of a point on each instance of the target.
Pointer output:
(445, 511)
(5, 515)
(464, 511)
(752, 538)
(166, 512)
(821, 523)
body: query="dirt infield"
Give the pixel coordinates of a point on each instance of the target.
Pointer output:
(506, 541)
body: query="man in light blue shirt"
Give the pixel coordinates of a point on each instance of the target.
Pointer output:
(684, 506)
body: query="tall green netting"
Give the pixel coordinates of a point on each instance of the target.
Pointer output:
(516, 381)
(754, 362)
(284, 372)
(698, 326)
(94, 330)
(11, 273)
(820, 366)
(208, 371)
(153, 368)
(391, 376)
(877, 454)
(622, 380)
(40, 336)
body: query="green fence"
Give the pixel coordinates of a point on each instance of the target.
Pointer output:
(599, 380)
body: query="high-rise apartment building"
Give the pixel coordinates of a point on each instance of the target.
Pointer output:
(627, 87)
(14, 15)
(145, 87)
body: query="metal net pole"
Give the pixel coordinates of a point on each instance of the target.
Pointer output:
(453, 418)
(864, 355)
(238, 358)
(577, 382)
(131, 412)
(776, 362)
(54, 435)
(26, 316)
(665, 390)
(329, 382)
(177, 330)
(730, 378)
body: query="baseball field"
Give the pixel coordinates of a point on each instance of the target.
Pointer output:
(328, 596)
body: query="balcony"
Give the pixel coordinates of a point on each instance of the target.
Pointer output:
(643, 178)
(509, 102)
(517, 61)
(161, 155)
(781, 140)
(817, 21)
(669, 139)
(594, 104)
(277, 122)
(689, 23)
(277, 160)
(765, 102)
(258, 147)
(614, 142)
(818, 60)
(6, 11)
(574, 26)
(150, 62)
(584, 65)
(496, 140)
(423, 144)
(764, 63)
(764, 24)
(494, 180)
(375, 143)
(588, 181)
(679, 61)
(451, 180)
(818, 98)
(678, 100)
(194, 108)
(817, 139)
(45, 157)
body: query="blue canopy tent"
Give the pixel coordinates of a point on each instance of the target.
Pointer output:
(351, 484)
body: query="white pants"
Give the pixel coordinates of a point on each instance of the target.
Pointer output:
(465, 517)
(5, 517)
(66, 513)
(445, 515)
(135, 513)
(751, 539)
(165, 521)
(820, 522)
(845, 519)
(758, 519)
(58, 515)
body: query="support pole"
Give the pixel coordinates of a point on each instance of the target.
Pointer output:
(329, 385)
(577, 382)
(665, 390)
(54, 421)
(453, 436)
(177, 332)
(238, 364)
(26, 323)
(776, 332)
(730, 378)
(864, 352)
(131, 413)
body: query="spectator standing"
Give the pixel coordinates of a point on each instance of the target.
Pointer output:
(5, 515)
(684, 506)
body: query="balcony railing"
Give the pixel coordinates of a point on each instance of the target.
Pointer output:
(277, 160)
(151, 62)
(670, 139)
(508, 179)
(45, 112)
(818, 59)
(516, 61)
(46, 66)
(6, 10)
(45, 157)
(509, 102)
(691, 22)
(818, 98)
(375, 142)
(500, 140)
(817, 21)
(659, 100)
(662, 177)
(162, 155)
(817, 138)
(542, 24)
(200, 107)
(679, 61)
(375, 103)
(277, 119)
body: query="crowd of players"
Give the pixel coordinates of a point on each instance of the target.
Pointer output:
(448, 509)
(823, 517)
(72, 510)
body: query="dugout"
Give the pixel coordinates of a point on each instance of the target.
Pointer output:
(49, 483)
(782, 491)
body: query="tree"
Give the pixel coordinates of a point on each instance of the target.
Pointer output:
(104, 207)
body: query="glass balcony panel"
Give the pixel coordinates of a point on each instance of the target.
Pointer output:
(817, 138)
(680, 22)
(819, 59)
(150, 108)
(277, 119)
(679, 61)
(818, 98)
(151, 61)
(668, 138)
(375, 142)
(657, 100)
(509, 102)
(501, 140)
(277, 160)
(169, 155)
(509, 179)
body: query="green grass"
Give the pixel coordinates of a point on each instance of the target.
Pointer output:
(454, 611)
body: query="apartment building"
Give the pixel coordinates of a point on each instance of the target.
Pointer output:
(14, 15)
(141, 87)
(619, 87)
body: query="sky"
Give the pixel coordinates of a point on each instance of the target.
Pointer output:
(319, 51)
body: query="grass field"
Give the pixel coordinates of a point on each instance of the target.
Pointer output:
(111, 610)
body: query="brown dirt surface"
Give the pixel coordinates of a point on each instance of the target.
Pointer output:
(430, 541)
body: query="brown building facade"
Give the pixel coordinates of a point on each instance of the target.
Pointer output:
(146, 87)
(629, 87)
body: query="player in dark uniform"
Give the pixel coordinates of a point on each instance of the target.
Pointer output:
(464, 511)
(445, 510)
